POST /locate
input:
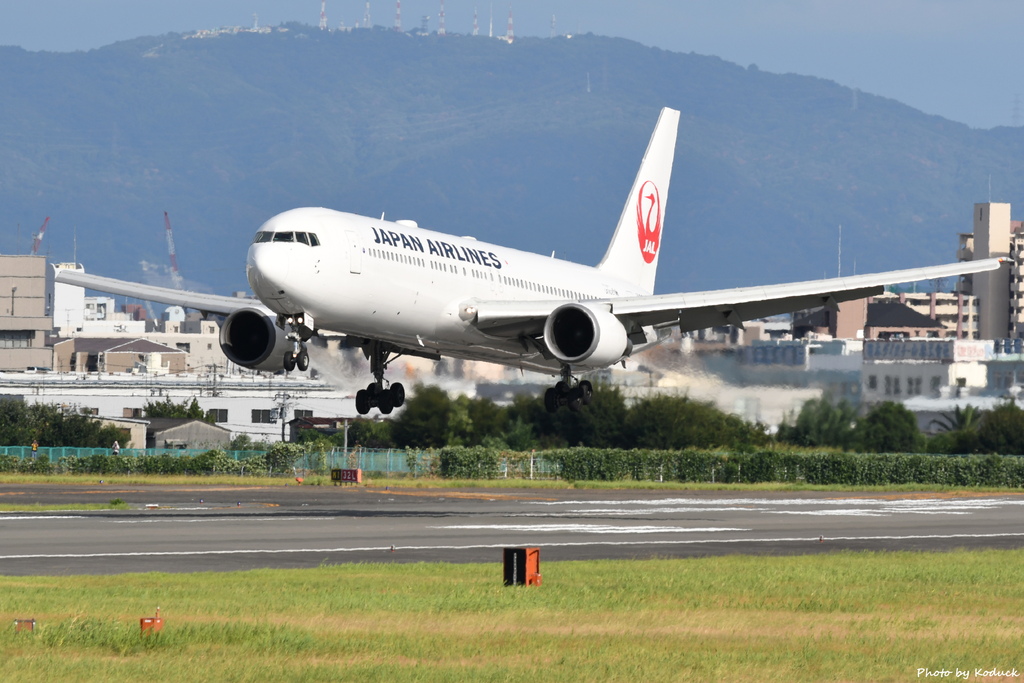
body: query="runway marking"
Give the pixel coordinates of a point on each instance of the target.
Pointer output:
(388, 548)
(454, 494)
(705, 504)
(586, 528)
(9, 518)
(838, 507)
(218, 519)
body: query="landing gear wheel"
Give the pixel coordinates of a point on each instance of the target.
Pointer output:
(397, 394)
(302, 360)
(551, 400)
(575, 401)
(587, 392)
(562, 388)
(362, 402)
(385, 402)
(289, 361)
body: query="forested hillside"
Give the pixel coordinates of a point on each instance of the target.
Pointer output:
(532, 144)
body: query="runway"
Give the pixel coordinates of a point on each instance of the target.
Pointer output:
(195, 528)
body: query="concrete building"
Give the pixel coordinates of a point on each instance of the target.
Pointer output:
(900, 369)
(110, 355)
(244, 404)
(957, 312)
(171, 432)
(1000, 292)
(76, 315)
(24, 313)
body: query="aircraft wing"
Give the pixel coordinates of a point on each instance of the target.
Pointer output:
(207, 303)
(699, 310)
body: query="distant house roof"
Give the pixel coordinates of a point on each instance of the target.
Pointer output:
(898, 315)
(115, 345)
(162, 424)
(317, 421)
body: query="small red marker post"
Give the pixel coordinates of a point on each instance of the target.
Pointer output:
(151, 625)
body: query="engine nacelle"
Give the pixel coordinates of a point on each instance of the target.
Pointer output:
(578, 334)
(251, 339)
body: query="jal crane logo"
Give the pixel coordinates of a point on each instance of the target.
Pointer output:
(648, 220)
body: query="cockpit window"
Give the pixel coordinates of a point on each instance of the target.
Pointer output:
(303, 237)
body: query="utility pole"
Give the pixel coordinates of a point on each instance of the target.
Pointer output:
(283, 401)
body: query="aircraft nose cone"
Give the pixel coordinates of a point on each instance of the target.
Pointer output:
(267, 271)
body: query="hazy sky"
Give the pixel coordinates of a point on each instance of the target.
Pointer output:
(954, 58)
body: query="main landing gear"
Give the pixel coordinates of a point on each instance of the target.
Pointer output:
(568, 392)
(375, 395)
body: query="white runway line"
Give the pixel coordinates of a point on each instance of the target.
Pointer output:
(217, 519)
(856, 507)
(388, 548)
(585, 528)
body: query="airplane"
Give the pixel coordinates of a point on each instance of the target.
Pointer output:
(394, 288)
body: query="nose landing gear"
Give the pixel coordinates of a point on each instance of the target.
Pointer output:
(301, 330)
(568, 392)
(376, 395)
(297, 358)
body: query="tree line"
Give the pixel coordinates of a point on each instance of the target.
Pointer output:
(892, 428)
(433, 419)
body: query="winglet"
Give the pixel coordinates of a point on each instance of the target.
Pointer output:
(633, 252)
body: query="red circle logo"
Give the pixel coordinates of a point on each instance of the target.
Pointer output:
(648, 220)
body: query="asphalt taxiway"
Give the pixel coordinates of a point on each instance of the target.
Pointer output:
(210, 528)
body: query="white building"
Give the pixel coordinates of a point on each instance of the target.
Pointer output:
(245, 404)
(904, 368)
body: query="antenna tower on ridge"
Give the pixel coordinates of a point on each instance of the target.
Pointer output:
(398, 15)
(476, 22)
(553, 33)
(440, 21)
(323, 15)
(366, 16)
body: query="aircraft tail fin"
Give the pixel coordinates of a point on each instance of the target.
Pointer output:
(633, 252)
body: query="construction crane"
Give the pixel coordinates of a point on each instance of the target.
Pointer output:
(38, 237)
(175, 275)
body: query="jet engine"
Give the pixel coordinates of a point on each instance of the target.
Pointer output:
(250, 338)
(588, 336)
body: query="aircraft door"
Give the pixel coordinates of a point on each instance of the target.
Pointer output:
(355, 252)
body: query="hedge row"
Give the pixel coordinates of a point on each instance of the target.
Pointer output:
(858, 469)
(210, 462)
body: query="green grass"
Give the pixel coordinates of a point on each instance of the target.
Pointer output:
(844, 616)
(433, 483)
(36, 507)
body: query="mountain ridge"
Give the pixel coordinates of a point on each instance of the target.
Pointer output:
(474, 136)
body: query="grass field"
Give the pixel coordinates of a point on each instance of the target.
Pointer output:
(840, 617)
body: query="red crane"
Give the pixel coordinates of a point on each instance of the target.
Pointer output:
(38, 237)
(175, 275)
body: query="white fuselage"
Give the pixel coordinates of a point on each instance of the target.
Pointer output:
(399, 283)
